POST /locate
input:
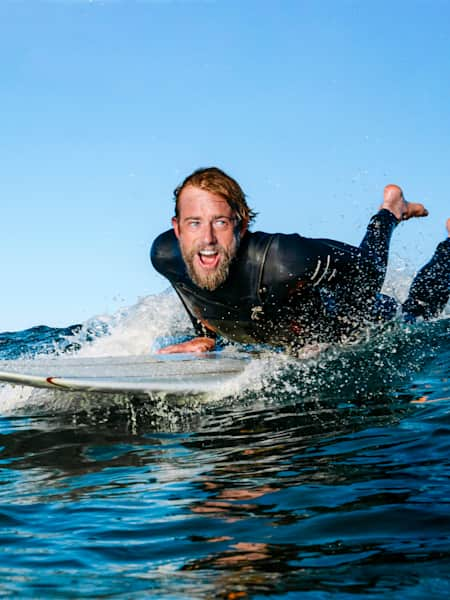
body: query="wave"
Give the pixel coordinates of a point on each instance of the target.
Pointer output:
(382, 360)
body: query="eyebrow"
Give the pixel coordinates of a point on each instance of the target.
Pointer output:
(213, 218)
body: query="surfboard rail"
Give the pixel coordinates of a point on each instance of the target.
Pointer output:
(175, 373)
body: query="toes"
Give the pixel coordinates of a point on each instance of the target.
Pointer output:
(414, 209)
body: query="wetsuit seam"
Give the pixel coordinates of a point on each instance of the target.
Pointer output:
(261, 268)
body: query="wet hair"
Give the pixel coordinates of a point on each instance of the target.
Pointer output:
(216, 181)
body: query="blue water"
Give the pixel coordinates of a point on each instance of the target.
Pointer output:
(324, 477)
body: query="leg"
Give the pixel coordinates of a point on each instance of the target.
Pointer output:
(375, 250)
(375, 245)
(430, 290)
(356, 300)
(361, 297)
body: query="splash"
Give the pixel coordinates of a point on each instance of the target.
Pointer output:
(133, 331)
(382, 359)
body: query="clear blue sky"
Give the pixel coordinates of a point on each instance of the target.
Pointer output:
(106, 105)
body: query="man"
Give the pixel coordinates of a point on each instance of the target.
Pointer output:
(278, 289)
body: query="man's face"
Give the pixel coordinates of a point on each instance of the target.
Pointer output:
(209, 235)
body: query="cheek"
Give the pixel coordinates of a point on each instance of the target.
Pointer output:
(188, 239)
(226, 239)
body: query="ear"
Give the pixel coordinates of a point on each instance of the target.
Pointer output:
(176, 227)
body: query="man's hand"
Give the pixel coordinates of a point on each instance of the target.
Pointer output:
(200, 344)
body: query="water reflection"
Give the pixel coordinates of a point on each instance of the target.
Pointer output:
(324, 493)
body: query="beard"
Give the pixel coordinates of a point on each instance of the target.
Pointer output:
(210, 281)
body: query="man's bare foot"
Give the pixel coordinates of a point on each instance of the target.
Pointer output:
(395, 202)
(448, 227)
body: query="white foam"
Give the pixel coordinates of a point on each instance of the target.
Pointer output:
(135, 330)
(13, 397)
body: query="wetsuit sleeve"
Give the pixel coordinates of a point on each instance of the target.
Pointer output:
(292, 260)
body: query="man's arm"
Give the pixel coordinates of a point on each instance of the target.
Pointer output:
(315, 262)
(205, 341)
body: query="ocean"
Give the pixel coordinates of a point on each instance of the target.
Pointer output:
(326, 476)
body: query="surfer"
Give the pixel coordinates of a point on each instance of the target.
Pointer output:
(283, 289)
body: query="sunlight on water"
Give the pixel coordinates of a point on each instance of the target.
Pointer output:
(321, 475)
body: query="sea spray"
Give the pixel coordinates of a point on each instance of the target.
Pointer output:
(382, 358)
(135, 330)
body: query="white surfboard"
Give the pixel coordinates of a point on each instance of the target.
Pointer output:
(173, 373)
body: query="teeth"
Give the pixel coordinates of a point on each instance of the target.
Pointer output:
(208, 252)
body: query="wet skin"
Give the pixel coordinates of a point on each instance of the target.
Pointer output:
(394, 201)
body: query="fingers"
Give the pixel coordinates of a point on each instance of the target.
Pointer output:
(173, 349)
(196, 345)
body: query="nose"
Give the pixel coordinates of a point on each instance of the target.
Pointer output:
(209, 235)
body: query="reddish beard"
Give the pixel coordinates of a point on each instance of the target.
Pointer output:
(210, 281)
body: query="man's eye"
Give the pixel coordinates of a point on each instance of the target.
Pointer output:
(221, 223)
(193, 224)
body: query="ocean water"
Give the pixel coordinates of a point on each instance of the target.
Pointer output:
(321, 477)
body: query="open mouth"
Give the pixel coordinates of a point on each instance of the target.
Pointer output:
(209, 259)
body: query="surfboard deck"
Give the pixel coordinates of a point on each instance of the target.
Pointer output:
(174, 373)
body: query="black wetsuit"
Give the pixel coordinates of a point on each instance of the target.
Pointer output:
(288, 290)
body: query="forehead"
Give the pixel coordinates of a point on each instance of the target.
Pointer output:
(195, 202)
